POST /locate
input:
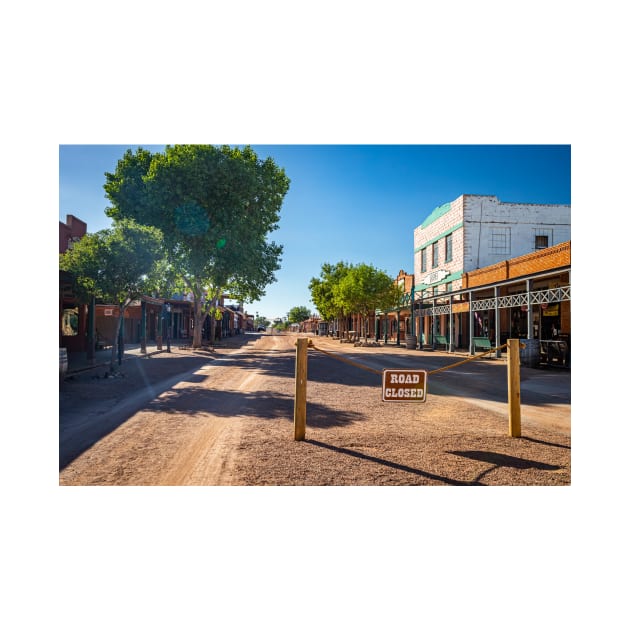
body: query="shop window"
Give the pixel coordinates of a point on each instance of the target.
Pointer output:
(70, 322)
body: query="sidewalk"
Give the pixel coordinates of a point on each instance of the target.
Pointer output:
(78, 362)
(393, 346)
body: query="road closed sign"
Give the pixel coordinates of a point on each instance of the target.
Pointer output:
(405, 385)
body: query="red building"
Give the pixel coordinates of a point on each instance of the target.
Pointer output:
(73, 314)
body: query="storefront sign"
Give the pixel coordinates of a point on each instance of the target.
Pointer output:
(405, 385)
(436, 276)
(551, 311)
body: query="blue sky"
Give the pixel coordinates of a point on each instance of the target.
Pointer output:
(357, 203)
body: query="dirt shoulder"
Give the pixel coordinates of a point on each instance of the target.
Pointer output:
(226, 418)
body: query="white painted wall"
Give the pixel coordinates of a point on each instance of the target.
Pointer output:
(491, 231)
(489, 222)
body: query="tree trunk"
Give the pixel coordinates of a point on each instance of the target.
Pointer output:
(199, 319)
(121, 319)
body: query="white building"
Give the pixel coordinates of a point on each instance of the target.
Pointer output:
(475, 231)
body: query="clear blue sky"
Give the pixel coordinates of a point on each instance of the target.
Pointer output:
(357, 203)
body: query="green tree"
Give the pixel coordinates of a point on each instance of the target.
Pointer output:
(363, 289)
(261, 320)
(323, 291)
(298, 314)
(117, 265)
(215, 207)
(280, 323)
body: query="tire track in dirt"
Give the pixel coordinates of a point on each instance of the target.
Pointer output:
(209, 460)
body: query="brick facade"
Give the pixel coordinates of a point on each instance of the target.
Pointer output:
(537, 262)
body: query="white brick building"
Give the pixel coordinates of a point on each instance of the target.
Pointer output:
(476, 231)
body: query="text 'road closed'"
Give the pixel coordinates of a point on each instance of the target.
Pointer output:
(404, 385)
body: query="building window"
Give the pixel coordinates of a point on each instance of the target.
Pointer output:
(448, 248)
(500, 241)
(435, 254)
(542, 241)
(423, 260)
(542, 238)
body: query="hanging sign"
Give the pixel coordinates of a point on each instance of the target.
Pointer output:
(551, 311)
(405, 385)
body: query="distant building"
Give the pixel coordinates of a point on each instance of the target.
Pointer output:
(70, 231)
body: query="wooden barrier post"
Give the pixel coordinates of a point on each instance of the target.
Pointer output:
(514, 388)
(299, 408)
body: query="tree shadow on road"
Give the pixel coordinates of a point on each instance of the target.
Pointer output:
(194, 402)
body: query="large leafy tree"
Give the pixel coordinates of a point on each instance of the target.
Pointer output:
(363, 289)
(298, 314)
(323, 291)
(117, 265)
(343, 289)
(215, 207)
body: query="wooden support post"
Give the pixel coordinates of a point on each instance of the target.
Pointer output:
(514, 388)
(143, 327)
(299, 409)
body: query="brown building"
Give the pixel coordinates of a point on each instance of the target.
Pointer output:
(73, 315)
(528, 297)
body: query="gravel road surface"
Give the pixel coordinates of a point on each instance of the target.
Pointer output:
(225, 417)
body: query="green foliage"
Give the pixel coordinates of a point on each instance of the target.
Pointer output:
(280, 324)
(364, 289)
(261, 320)
(322, 290)
(116, 265)
(343, 288)
(298, 314)
(215, 207)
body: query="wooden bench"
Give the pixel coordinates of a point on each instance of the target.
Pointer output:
(481, 343)
(441, 341)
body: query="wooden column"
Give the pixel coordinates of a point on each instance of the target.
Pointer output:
(514, 388)
(299, 409)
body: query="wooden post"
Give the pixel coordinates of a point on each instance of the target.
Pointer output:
(299, 408)
(514, 388)
(143, 327)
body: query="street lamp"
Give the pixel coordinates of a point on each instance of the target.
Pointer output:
(168, 327)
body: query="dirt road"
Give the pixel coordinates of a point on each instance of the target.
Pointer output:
(230, 422)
